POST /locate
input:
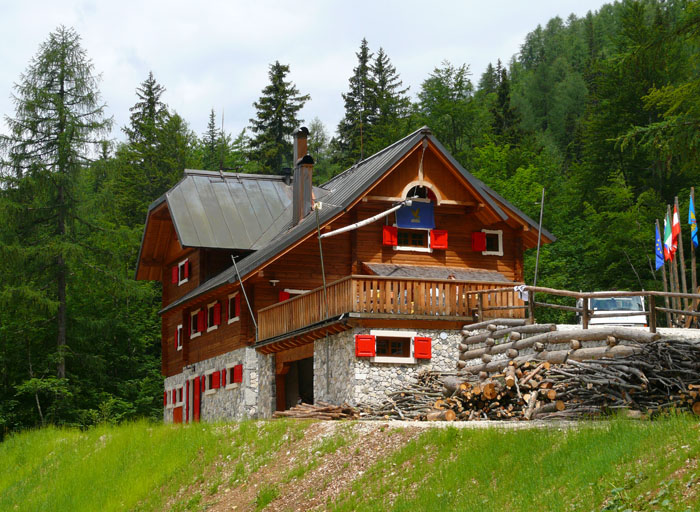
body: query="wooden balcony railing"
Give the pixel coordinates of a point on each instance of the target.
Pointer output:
(394, 297)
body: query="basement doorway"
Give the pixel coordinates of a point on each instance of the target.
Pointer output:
(299, 382)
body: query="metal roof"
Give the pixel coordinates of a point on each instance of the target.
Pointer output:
(340, 192)
(435, 272)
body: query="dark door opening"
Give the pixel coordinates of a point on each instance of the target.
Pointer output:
(299, 382)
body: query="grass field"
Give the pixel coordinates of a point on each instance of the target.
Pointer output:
(608, 466)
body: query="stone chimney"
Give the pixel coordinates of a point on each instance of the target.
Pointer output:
(303, 174)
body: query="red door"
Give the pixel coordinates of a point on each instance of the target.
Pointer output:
(196, 400)
(187, 401)
(177, 415)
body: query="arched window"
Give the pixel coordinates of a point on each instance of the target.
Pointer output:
(421, 192)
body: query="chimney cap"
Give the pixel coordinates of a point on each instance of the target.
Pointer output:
(302, 131)
(305, 160)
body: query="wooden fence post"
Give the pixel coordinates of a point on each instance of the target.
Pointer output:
(481, 307)
(584, 317)
(531, 306)
(652, 313)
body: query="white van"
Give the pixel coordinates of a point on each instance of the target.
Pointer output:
(609, 305)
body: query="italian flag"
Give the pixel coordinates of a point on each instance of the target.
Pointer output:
(668, 239)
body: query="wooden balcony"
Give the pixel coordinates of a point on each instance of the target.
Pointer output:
(391, 298)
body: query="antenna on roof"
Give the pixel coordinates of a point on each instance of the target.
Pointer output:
(223, 142)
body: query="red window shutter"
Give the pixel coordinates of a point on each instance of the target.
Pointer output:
(196, 400)
(478, 241)
(174, 395)
(390, 235)
(217, 313)
(215, 380)
(187, 269)
(203, 384)
(201, 318)
(237, 303)
(165, 398)
(238, 373)
(283, 295)
(364, 345)
(223, 377)
(175, 275)
(176, 336)
(438, 239)
(422, 347)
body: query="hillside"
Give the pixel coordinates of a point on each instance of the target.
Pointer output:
(287, 465)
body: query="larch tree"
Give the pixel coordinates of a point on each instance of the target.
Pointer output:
(276, 119)
(58, 127)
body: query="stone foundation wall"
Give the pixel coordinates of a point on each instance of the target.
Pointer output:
(253, 398)
(340, 377)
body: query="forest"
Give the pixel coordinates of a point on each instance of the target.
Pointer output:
(602, 111)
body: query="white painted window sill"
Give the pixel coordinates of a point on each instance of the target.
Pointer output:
(209, 392)
(212, 328)
(233, 386)
(413, 249)
(195, 335)
(231, 320)
(393, 360)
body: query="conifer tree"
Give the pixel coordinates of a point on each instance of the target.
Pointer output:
(276, 119)
(59, 121)
(351, 129)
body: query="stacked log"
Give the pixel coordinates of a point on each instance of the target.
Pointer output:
(319, 411)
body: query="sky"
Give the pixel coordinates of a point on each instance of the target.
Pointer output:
(216, 54)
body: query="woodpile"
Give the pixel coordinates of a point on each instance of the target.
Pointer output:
(320, 411)
(657, 375)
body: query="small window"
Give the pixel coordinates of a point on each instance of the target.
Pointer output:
(413, 238)
(494, 242)
(231, 380)
(178, 399)
(393, 347)
(179, 337)
(212, 321)
(194, 324)
(183, 271)
(234, 307)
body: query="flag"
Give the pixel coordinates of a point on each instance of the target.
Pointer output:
(675, 228)
(659, 250)
(417, 216)
(668, 238)
(693, 223)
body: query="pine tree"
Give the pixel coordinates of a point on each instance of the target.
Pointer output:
(59, 120)
(388, 104)
(276, 119)
(489, 79)
(211, 145)
(351, 129)
(506, 118)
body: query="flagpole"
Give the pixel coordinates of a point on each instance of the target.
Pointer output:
(674, 268)
(693, 277)
(663, 275)
(680, 250)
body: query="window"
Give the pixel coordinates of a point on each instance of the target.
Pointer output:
(195, 323)
(494, 242)
(210, 388)
(183, 272)
(413, 238)
(178, 337)
(178, 397)
(234, 308)
(233, 376)
(213, 316)
(393, 347)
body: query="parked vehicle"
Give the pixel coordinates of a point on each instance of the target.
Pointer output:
(600, 308)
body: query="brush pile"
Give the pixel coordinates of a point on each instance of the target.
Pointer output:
(320, 411)
(654, 376)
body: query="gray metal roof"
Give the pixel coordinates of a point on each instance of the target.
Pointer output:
(340, 192)
(436, 272)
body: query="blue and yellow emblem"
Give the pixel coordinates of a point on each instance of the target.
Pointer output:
(418, 215)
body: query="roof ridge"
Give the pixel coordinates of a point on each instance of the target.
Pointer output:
(425, 129)
(232, 175)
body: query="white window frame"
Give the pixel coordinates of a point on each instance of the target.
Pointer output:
(498, 232)
(194, 315)
(178, 335)
(170, 404)
(229, 377)
(181, 267)
(207, 389)
(210, 328)
(394, 334)
(179, 393)
(230, 310)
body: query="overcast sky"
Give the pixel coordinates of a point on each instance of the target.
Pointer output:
(215, 54)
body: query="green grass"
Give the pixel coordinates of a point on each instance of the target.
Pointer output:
(135, 466)
(620, 465)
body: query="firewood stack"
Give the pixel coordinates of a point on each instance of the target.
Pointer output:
(320, 411)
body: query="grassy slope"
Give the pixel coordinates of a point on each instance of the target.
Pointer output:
(616, 466)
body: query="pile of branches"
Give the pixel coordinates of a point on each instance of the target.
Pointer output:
(320, 411)
(657, 375)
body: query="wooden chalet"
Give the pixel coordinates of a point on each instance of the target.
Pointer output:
(340, 317)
